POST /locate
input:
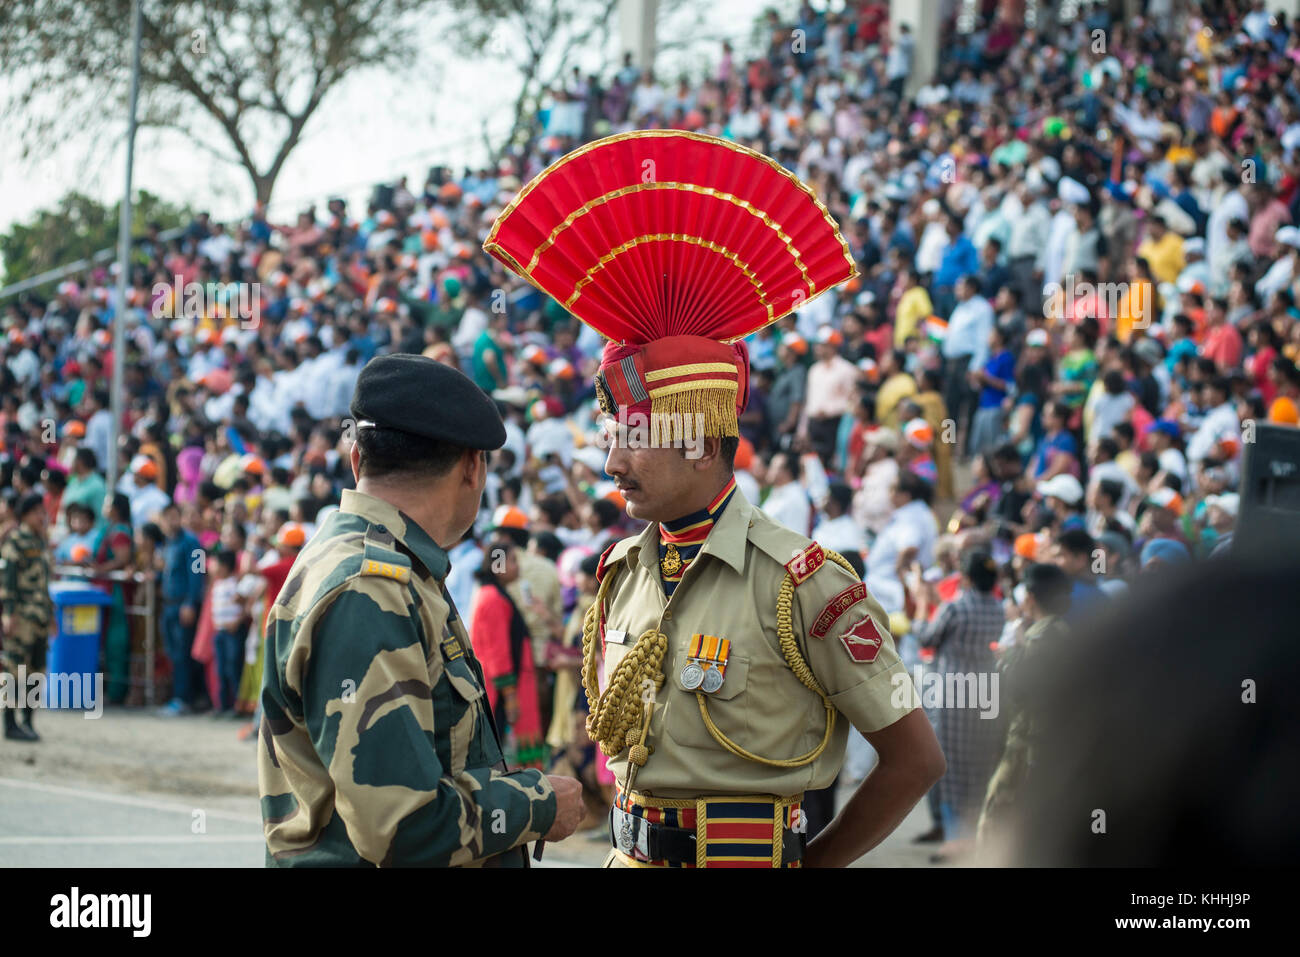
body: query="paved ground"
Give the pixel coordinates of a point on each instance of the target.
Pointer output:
(134, 790)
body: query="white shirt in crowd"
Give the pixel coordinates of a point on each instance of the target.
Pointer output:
(516, 443)
(1219, 423)
(1109, 410)
(147, 501)
(471, 326)
(26, 367)
(1173, 462)
(1114, 472)
(841, 534)
(1059, 231)
(97, 436)
(748, 486)
(342, 383)
(968, 331)
(872, 504)
(831, 388)
(788, 504)
(1276, 279)
(912, 526)
(1231, 206)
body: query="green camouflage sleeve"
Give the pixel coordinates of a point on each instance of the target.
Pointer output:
(9, 562)
(407, 759)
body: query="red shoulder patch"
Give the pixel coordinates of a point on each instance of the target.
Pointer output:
(600, 567)
(805, 563)
(863, 641)
(836, 607)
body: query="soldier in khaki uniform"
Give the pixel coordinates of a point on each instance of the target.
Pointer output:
(776, 724)
(28, 611)
(725, 655)
(377, 747)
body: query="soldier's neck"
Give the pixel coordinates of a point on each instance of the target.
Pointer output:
(425, 503)
(701, 502)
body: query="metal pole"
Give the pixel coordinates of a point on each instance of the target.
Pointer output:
(123, 254)
(150, 624)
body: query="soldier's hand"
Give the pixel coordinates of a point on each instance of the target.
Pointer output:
(569, 807)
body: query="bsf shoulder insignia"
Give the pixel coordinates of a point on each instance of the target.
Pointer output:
(863, 641)
(398, 573)
(836, 607)
(805, 563)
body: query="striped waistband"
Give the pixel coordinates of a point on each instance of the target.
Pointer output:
(730, 830)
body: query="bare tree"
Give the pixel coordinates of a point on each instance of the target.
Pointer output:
(257, 69)
(537, 39)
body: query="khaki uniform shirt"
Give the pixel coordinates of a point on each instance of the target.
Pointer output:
(543, 582)
(730, 591)
(376, 743)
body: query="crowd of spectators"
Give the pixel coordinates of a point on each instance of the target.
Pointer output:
(1076, 303)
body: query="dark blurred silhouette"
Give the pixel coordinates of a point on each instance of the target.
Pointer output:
(1170, 727)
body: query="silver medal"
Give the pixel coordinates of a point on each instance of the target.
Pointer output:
(692, 676)
(712, 681)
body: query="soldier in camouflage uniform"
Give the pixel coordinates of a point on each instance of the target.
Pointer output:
(1047, 599)
(376, 743)
(28, 610)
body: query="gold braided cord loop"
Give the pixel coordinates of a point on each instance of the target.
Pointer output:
(619, 718)
(793, 658)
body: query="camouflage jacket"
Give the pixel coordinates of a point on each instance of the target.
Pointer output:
(1019, 669)
(376, 743)
(25, 577)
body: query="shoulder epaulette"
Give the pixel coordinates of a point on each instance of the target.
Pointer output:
(382, 558)
(612, 554)
(802, 566)
(793, 551)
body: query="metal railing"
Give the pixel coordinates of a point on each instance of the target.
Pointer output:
(58, 272)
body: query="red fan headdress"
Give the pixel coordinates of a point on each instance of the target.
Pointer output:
(674, 246)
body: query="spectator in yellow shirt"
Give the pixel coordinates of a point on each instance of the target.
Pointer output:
(1163, 249)
(1138, 306)
(913, 307)
(895, 386)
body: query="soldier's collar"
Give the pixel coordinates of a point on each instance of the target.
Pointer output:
(730, 533)
(726, 541)
(402, 527)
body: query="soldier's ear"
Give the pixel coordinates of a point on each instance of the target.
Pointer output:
(707, 449)
(471, 461)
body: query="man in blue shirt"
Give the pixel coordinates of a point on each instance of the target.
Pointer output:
(182, 596)
(1075, 549)
(994, 382)
(959, 259)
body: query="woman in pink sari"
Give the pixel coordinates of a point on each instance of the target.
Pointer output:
(501, 642)
(189, 475)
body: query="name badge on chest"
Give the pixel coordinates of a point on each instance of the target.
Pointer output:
(616, 635)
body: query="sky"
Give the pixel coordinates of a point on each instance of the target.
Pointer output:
(371, 129)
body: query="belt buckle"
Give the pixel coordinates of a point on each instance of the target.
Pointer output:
(630, 833)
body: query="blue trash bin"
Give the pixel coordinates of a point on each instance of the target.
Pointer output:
(73, 661)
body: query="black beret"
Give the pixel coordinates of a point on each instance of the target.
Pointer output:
(415, 394)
